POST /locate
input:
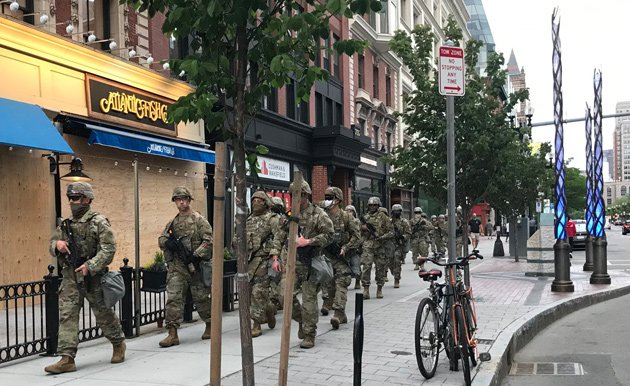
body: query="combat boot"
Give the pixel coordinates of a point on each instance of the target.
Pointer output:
(396, 283)
(416, 268)
(366, 292)
(337, 319)
(308, 342)
(171, 339)
(271, 316)
(326, 307)
(65, 365)
(256, 331)
(207, 332)
(300, 332)
(357, 284)
(118, 356)
(379, 292)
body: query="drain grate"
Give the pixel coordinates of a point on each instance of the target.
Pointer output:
(485, 341)
(400, 352)
(546, 368)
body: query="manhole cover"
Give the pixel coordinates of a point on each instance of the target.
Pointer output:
(546, 368)
(400, 352)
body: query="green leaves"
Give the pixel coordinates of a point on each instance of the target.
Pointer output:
(492, 164)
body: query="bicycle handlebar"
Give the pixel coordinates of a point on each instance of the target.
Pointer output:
(461, 261)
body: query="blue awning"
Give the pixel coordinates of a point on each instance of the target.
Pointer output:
(26, 125)
(148, 145)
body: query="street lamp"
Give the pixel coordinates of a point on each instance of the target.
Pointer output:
(75, 175)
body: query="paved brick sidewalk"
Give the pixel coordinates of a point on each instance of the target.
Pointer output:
(506, 299)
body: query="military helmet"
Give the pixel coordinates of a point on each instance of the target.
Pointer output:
(263, 196)
(278, 203)
(353, 209)
(374, 201)
(306, 188)
(334, 191)
(396, 208)
(417, 209)
(82, 188)
(434, 217)
(441, 216)
(181, 191)
(424, 215)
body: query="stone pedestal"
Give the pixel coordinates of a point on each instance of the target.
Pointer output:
(540, 257)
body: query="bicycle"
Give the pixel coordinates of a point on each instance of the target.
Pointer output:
(446, 320)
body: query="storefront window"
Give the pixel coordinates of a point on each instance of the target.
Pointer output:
(363, 184)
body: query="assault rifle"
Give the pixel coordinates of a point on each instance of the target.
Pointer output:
(180, 250)
(75, 259)
(370, 229)
(398, 236)
(305, 254)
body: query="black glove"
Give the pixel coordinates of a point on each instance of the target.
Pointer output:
(171, 244)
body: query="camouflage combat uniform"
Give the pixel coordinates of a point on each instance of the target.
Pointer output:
(89, 234)
(314, 225)
(276, 292)
(95, 239)
(416, 235)
(402, 233)
(196, 236)
(348, 237)
(264, 240)
(373, 248)
(441, 235)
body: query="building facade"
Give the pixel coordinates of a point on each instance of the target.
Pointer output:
(69, 63)
(621, 143)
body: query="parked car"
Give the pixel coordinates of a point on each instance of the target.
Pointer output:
(625, 229)
(618, 222)
(579, 240)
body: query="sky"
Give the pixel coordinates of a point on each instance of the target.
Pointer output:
(593, 34)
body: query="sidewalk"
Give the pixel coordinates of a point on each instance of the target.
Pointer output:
(510, 308)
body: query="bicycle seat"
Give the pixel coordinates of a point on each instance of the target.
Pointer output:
(431, 275)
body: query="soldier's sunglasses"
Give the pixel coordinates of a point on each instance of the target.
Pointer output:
(74, 198)
(329, 197)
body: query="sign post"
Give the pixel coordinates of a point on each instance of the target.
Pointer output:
(452, 83)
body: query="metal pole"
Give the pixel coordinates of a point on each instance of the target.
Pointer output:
(357, 338)
(450, 162)
(600, 258)
(590, 193)
(571, 120)
(136, 215)
(562, 271)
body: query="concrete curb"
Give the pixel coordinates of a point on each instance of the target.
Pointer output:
(522, 330)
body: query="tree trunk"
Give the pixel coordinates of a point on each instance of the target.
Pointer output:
(247, 351)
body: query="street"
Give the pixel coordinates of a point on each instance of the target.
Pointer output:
(594, 354)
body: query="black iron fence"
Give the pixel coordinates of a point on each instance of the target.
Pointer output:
(30, 321)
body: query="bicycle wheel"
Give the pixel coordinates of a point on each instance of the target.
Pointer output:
(462, 344)
(426, 338)
(471, 327)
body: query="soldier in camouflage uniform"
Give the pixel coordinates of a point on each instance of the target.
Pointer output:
(346, 240)
(94, 238)
(316, 232)
(441, 234)
(402, 233)
(432, 234)
(415, 235)
(264, 243)
(425, 229)
(352, 211)
(276, 295)
(376, 228)
(195, 235)
(387, 247)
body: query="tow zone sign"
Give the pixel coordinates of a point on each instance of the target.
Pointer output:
(452, 71)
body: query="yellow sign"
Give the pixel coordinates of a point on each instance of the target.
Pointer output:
(131, 104)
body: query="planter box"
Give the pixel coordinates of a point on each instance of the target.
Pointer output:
(153, 281)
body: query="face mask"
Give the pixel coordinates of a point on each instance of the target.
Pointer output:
(78, 209)
(396, 214)
(258, 207)
(372, 209)
(328, 203)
